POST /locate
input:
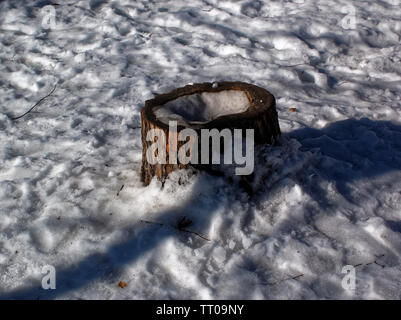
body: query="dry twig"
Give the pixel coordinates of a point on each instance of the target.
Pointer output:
(195, 233)
(36, 104)
(118, 193)
(179, 229)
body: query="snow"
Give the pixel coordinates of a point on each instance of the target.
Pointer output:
(203, 107)
(328, 196)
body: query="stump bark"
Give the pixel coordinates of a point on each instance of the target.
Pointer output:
(260, 115)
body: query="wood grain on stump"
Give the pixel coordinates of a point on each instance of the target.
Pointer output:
(260, 114)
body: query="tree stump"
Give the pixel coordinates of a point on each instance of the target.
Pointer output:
(220, 105)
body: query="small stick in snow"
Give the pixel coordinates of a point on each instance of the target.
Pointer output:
(183, 230)
(378, 257)
(118, 193)
(381, 265)
(372, 262)
(152, 222)
(285, 279)
(296, 277)
(293, 65)
(185, 222)
(195, 233)
(342, 82)
(35, 105)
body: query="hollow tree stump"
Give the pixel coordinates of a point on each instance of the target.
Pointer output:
(231, 105)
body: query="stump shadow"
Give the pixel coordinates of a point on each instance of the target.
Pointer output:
(351, 150)
(359, 149)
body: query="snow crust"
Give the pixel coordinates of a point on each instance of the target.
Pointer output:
(202, 108)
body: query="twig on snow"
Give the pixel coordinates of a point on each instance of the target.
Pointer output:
(296, 277)
(118, 193)
(152, 222)
(372, 262)
(285, 279)
(179, 229)
(195, 233)
(36, 104)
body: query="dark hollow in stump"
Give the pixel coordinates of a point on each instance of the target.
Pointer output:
(220, 105)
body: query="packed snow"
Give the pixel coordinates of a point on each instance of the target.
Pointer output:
(328, 196)
(203, 107)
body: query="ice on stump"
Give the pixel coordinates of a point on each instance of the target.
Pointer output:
(203, 107)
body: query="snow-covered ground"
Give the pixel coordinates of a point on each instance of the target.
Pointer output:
(331, 196)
